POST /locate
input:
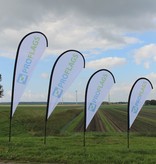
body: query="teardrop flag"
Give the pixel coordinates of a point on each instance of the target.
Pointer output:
(97, 89)
(29, 51)
(138, 94)
(65, 70)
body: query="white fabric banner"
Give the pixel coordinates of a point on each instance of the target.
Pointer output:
(65, 70)
(97, 89)
(28, 54)
(139, 92)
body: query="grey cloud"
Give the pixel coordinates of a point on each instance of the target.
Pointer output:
(122, 13)
(108, 20)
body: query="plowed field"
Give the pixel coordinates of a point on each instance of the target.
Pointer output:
(30, 120)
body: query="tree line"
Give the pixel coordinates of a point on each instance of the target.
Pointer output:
(1, 87)
(150, 102)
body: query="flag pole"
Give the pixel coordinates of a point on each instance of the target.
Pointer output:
(47, 109)
(85, 113)
(128, 129)
(45, 131)
(10, 129)
(84, 132)
(128, 139)
(10, 125)
(12, 94)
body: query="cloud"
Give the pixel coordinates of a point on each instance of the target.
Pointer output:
(33, 96)
(73, 24)
(90, 26)
(122, 13)
(123, 89)
(152, 78)
(45, 75)
(62, 36)
(28, 95)
(109, 62)
(145, 55)
(7, 96)
(147, 65)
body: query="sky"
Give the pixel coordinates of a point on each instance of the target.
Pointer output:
(118, 35)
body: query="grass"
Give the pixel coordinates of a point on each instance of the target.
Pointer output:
(100, 148)
(65, 145)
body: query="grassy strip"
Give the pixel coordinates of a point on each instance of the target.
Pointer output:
(100, 148)
(70, 127)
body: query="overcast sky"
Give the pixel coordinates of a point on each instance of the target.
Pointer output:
(119, 35)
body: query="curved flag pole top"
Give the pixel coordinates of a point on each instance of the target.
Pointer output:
(16, 60)
(137, 101)
(24, 48)
(52, 73)
(106, 87)
(65, 69)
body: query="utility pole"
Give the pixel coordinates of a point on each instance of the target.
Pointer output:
(62, 99)
(76, 96)
(109, 98)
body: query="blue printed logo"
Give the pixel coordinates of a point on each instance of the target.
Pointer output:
(135, 109)
(22, 79)
(92, 107)
(57, 92)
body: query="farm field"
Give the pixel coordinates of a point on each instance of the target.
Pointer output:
(106, 138)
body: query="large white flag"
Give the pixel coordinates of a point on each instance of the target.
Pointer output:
(29, 52)
(138, 94)
(66, 68)
(97, 89)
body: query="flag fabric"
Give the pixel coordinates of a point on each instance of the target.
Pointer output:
(97, 89)
(65, 70)
(29, 51)
(138, 94)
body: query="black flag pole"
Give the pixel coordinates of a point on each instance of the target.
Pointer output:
(10, 123)
(128, 122)
(128, 111)
(50, 86)
(128, 138)
(84, 134)
(128, 117)
(10, 129)
(12, 95)
(128, 129)
(85, 113)
(14, 78)
(86, 97)
(46, 116)
(45, 131)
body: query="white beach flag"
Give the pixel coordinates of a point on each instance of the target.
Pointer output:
(97, 89)
(28, 54)
(138, 94)
(65, 70)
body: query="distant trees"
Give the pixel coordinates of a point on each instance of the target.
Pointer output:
(153, 102)
(1, 87)
(150, 102)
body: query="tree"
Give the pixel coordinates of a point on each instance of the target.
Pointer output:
(153, 102)
(147, 102)
(1, 87)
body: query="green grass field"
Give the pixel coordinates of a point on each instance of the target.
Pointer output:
(106, 137)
